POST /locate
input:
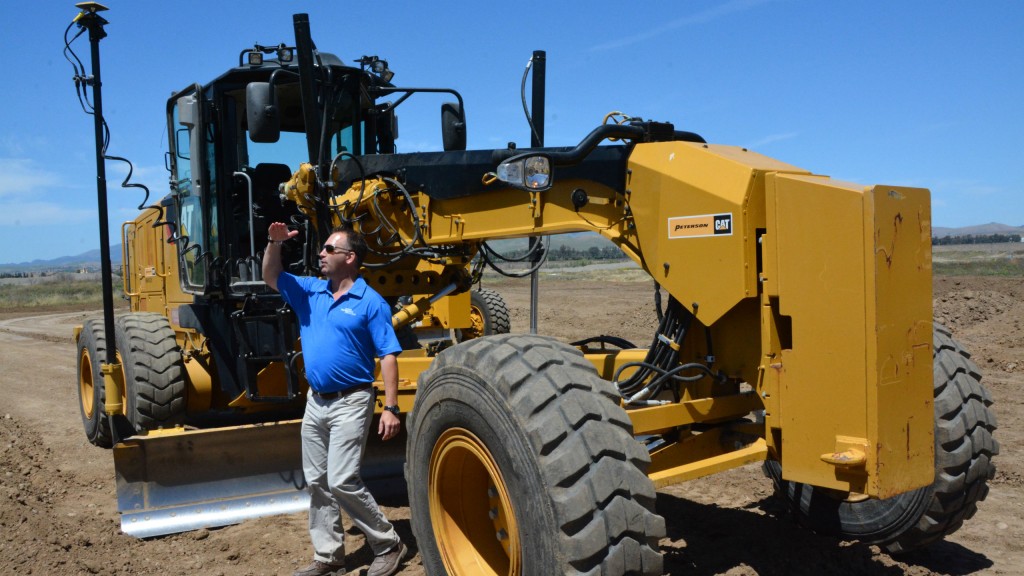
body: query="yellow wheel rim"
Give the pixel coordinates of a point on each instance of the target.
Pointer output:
(474, 525)
(476, 319)
(87, 384)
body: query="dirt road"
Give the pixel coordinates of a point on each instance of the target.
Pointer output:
(58, 510)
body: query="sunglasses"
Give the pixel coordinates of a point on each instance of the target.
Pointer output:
(331, 249)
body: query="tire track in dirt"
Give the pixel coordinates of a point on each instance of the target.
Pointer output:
(55, 328)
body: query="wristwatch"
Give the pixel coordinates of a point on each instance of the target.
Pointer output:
(393, 409)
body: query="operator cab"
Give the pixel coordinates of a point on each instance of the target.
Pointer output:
(235, 141)
(226, 171)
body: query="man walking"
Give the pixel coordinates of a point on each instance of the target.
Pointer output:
(344, 324)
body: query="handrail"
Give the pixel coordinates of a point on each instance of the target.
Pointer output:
(126, 269)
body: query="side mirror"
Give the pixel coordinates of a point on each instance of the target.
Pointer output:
(262, 113)
(189, 110)
(453, 127)
(181, 146)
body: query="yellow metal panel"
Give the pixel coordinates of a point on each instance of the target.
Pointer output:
(902, 417)
(697, 208)
(452, 311)
(198, 385)
(509, 213)
(856, 314)
(735, 341)
(151, 265)
(820, 230)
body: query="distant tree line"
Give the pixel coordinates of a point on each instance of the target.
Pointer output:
(32, 274)
(976, 239)
(66, 274)
(566, 252)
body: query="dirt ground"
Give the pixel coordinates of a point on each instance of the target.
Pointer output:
(58, 511)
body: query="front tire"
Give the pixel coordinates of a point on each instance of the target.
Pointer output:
(964, 447)
(520, 461)
(153, 371)
(92, 353)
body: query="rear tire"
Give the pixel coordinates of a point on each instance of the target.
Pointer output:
(520, 461)
(964, 447)
(153, 371)
(488, 313)
(92, 352)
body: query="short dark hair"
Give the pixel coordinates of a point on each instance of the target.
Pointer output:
(355, 240)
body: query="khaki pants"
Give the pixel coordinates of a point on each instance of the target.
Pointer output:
(333, 439)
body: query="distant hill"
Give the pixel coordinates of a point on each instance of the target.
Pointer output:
(83, 260)
(979, 230)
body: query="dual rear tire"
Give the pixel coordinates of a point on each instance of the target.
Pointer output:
(964, 447)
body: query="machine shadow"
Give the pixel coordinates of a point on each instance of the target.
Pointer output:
(949, 558)
(705, 539)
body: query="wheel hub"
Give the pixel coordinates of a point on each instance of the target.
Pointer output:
(474, 525)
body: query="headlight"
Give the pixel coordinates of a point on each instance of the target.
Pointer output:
(527, 172)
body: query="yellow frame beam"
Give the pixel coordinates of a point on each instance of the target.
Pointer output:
(659, 418)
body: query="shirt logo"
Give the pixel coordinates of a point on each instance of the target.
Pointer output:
(348, 311)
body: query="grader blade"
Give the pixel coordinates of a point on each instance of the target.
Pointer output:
(170, 482)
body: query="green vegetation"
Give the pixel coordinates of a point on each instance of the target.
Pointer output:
(987, 267)
(1006, 259)
(63, 292)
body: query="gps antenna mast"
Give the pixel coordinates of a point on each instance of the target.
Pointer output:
(90, 19)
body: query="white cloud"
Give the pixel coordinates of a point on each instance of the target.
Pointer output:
(24, 177)
(117, 170)
(153, 177)
(703, 17)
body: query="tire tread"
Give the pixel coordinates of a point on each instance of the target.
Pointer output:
(593, 468)
(155, 376)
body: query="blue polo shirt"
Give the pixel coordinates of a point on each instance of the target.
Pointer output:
(339, 338)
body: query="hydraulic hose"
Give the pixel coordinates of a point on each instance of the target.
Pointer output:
(643, 131)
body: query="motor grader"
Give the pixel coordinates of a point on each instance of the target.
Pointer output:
(796, 331)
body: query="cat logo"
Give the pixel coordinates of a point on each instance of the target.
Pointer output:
(700, 226)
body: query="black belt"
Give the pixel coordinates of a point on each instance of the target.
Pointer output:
(340, 393)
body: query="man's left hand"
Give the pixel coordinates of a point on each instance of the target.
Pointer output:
(389, 425)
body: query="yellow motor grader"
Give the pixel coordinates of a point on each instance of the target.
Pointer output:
(796, 331)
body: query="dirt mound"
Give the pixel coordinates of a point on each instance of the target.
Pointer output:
(40, 537)
(988, 311)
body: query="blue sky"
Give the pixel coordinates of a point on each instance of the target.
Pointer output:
(917, 93)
